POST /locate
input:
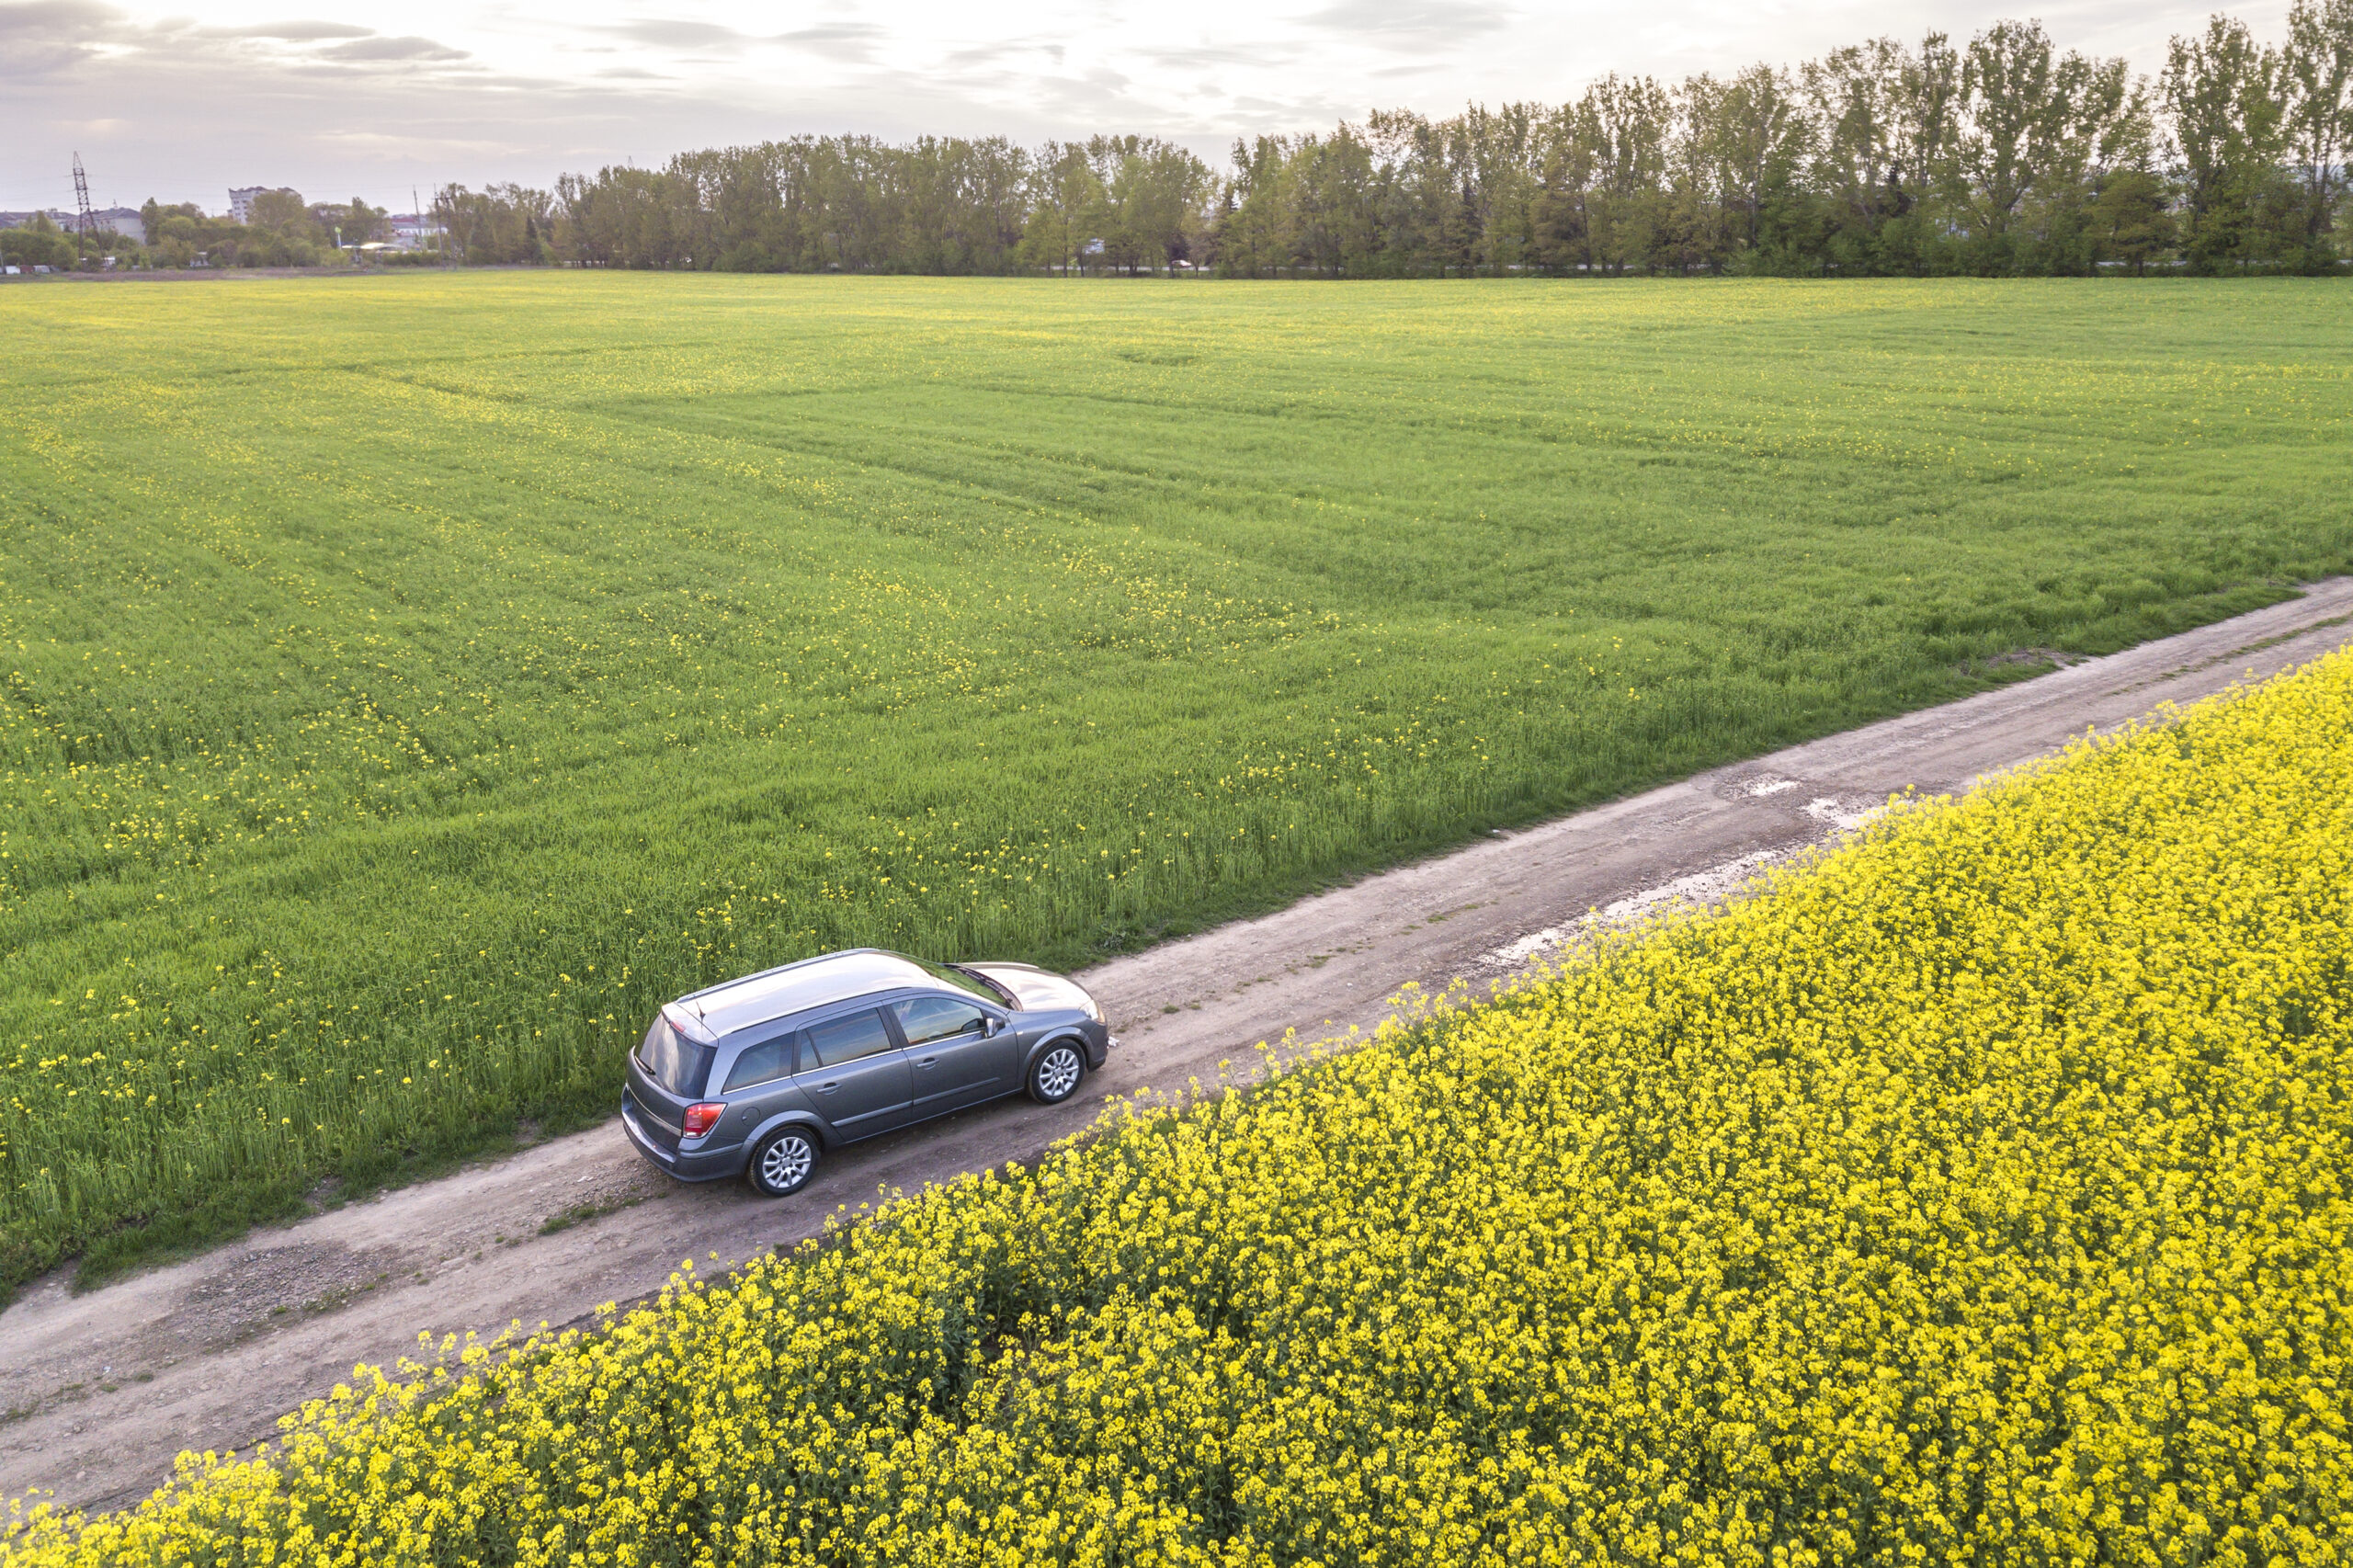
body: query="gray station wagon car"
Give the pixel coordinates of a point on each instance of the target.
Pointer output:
(758, 1078)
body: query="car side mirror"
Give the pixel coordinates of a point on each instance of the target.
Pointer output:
(991, 1026)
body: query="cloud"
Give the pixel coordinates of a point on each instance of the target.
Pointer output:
(1004, 51)
(837, 40)
(664, 33)
(97, 45)
(48, 37)
(372, 51)
(290, 32)
(438, 148)
(1410, 24)
(1094, 98)
(1205, 56)
(57, 18)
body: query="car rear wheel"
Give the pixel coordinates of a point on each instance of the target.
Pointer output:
(1055, 1077)
(784, 1161)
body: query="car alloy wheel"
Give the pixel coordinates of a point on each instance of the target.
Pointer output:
(1057, 1074)
(785, 1163)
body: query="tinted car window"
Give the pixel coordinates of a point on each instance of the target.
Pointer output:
(850, 1039)
(678, 1064)
(759, 1063)
(927, 1018)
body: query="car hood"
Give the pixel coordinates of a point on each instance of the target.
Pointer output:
(1033, 989)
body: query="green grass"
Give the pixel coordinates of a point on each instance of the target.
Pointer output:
(413, 681)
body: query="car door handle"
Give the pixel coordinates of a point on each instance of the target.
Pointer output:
(928, 1061)
(827, 1088)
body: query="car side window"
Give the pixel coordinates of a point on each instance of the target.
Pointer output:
(761, 1064)
(927, 1018)
(853, 1038)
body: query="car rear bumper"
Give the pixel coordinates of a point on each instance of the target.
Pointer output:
(710, 1164)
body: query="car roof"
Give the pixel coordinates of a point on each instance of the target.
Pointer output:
(811, 983)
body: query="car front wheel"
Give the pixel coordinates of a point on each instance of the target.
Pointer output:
(784, 1161)
(1055, 1077)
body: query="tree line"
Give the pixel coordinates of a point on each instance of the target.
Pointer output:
(2002, 155)
(280, 230)
(856, 204)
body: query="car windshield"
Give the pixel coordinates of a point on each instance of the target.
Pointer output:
(980, 985)
(675, 1063)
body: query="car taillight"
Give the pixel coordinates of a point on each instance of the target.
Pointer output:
(702, 1118)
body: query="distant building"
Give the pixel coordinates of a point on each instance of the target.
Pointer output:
(123, 220)
(410, 230)
(241, 201)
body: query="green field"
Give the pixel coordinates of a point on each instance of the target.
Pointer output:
(412, 681)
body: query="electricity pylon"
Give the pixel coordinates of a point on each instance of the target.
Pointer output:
(82, 229)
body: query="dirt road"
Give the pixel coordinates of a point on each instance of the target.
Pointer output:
(103, 1390)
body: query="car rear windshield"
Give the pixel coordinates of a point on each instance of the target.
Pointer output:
(676, 1063)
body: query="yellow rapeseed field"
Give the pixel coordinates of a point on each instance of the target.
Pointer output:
(1975, 1194)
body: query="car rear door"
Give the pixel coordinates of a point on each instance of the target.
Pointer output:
(854, 1072)
(665, 1076)
(759, 1085)
(652, 1113)
(954, 1058)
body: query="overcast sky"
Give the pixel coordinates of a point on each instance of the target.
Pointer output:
(369, 98)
